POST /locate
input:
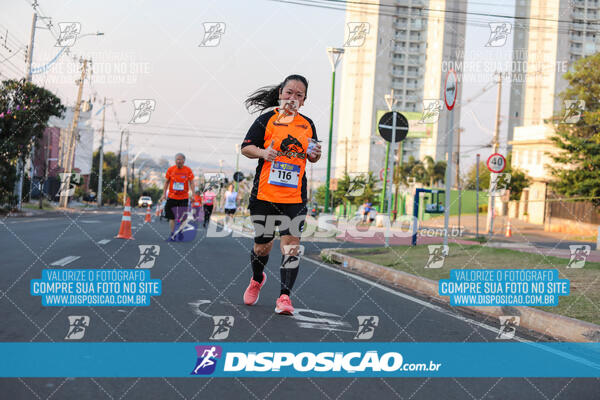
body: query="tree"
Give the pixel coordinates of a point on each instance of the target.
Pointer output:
(427, 173)
(338, 196)
(578, 171)
(518, 180)
(112, 183)
(435, 172)
(24, 113)
(484, 177)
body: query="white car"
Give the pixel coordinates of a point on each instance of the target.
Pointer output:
(145, 201)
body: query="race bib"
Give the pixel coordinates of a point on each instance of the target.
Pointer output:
(284, 174)
(178, 186)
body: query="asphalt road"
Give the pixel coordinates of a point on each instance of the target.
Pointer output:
(206, 278)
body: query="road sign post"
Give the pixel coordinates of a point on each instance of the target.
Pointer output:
(393, 127)
(450, 91)
(495, 164)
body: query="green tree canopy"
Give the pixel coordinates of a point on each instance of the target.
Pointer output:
(24, 112)
(578, 171)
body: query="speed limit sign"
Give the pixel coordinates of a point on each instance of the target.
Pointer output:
(496, 163)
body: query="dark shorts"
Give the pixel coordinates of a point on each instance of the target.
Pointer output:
(174, 203)
(266, 216)
(230, 211)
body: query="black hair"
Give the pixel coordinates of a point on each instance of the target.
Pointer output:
(268, 96)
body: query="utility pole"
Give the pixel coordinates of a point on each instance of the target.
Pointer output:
(101, 157)
(495, 145)
(20, 166)
(120, 151)
(126, 167)
(237, 164)
(30, 48)
(458, 185)
(346, 160)
(41, 204)
(132, 176)
(72, 141)
(28, 79)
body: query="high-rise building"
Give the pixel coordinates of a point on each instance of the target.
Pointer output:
(556, 34)
(409, 47)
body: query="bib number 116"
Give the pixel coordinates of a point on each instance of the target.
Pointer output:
(287, 175)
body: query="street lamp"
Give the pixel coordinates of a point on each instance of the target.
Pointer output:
(335, 55)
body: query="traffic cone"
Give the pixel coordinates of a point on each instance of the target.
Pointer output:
(125, 229)
(508, 230)
(148, 217)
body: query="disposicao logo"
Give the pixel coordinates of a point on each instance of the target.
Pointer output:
(207, 359)
(306, 361)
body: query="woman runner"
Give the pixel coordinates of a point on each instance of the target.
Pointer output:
(278, 197)
(230, 206)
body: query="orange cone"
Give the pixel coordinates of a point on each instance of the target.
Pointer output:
(508, 230)
(148, 217)
(125, 230)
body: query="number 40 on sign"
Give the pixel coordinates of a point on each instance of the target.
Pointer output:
(496, 163)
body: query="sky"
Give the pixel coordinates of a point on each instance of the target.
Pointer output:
(151, 50)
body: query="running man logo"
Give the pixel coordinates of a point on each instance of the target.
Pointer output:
(148, 254)
(287, 111)
(185, 225)
(212, 34)
(142, 110)
(573, 110)
(508, 326)
(223, 323)
(366, 326)
(357, 186)
(68, 183)
(499, 183)
(499, 32)
(68, 34)
(357, 34)
(291, 256)
(207, 359)
(579, 254)
(77, 325)
(437, 255)
(431, 111)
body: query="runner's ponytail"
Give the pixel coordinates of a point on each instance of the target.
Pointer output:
(268, 96)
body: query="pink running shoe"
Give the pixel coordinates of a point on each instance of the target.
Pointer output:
(253, 290)
(284, 305)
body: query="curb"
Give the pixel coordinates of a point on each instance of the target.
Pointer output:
(556, 326)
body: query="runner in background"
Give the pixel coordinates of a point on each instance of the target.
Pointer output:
(230, 206)
(282, 142)
(197, 204)
(366, 211)
(209, 201)
(179, 181)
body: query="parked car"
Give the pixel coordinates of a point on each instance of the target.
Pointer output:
(145, 201)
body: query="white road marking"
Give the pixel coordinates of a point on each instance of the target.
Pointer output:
(89, 221)
(539, 345)
(104, 241)
(411, 298)
(64, 261)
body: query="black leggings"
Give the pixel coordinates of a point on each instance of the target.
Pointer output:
(208, 209)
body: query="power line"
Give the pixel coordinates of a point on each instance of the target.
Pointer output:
(459, 21)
